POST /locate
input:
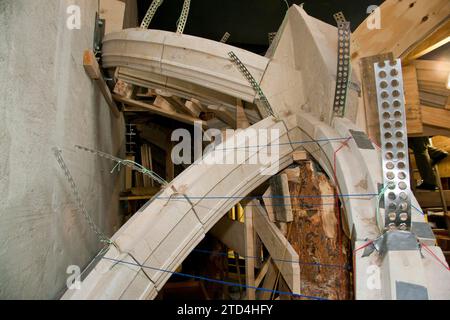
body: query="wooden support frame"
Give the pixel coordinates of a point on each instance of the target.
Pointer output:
(249, 252)
(93, 70)
(285, 257)
(159, 111)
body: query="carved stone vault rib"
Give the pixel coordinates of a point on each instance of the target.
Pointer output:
(163, 233)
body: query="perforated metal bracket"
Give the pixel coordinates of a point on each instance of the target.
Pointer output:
(184, 16)
(151, 13)
(339, 17)
(394, 145)
(99, 33)
(225, 37)
(271, 36)
(262, 99)
(343, 69)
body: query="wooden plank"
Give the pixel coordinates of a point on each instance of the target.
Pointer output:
(268, 203)
(170, 167)
(436, 117)
(281, 198)
(144, 191)
(435, 40)
(129, 174)
(124, 89)
(412, 100)
(299, 156)
(262, 273)
(249, 253)
(146, 163)
(194, 106)
(232, 234)
(269, 282)
(93, 70)
(181, 106)
(433, 100)
(404, 25)
(431, 199)
(370, 94)
(91, 65)
(153, 109)
(285, 257)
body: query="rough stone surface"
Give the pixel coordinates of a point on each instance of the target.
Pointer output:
(46, 101)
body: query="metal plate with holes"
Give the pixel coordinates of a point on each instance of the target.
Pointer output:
(261, 96)
(343, 69)
(151, 13)
(339, 17)
(394, 144)
(184, 16)
(225, 37)
(271, 36)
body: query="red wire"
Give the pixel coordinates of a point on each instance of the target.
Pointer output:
(337, 200)
(436, 257)
(363, 246)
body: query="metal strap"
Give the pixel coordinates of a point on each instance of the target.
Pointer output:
(271, 36)
(394, 144)
(127, 163)
(82, 209)
(151, 13)
(343, 69)
(243, 69)
(339, 17)
(225, 37)
(184, 16)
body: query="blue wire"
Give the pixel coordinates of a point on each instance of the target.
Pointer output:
(231, 284)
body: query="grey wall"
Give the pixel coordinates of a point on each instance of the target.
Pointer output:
(46, 101)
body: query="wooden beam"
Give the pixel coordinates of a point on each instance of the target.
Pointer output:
(284, 256)
(129, 174)
(269, 282)
(153, 109)
(281, 198)
(431, 199)
(299, 156)
(181, 106)
(170, 167)
(93, 70)
(436, 117)
(195, 107)
(124, 89)
(262, 272)
(232, 234)
(249, 253)
(156, 134)
(435, 40)
(412, 100)
(404, 25)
